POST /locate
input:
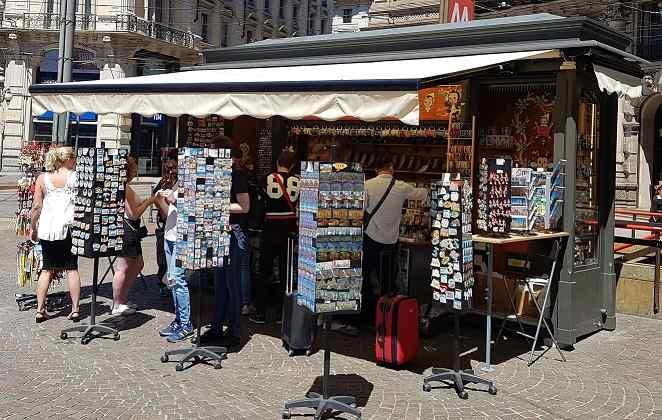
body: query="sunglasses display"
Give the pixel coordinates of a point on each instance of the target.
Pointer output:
(452, 249)
(98, 227)
(330, 236)
(203, 204)
(494, 196)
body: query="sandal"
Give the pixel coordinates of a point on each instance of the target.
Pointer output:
(41, 316)
(74, 316)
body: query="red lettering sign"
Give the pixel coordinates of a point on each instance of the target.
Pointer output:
(460, 10)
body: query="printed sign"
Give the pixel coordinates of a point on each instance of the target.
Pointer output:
(440, 102)
(460, 11)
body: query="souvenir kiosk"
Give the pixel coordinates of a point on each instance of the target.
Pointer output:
(530, 93)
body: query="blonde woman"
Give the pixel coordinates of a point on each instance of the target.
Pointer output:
(52, 215)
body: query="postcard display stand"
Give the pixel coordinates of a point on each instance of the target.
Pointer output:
(452, 270)
(203, 230)
(330, 249)
(98, 227)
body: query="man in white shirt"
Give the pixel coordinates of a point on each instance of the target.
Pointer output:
(383, 207)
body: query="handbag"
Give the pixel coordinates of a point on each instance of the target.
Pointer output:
(367, 216)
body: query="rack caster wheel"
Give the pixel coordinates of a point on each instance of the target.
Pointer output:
(463, 395)
(492, 390)
(286, 414)
(290, 353)
(427, 387)
(116, 337)
(63, 336)
(217, 365)
(164, 358)
(179, 367)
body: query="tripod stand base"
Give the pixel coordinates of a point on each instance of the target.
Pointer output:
(459, 378)
(88, 329)
(196, 355)
(323, 406)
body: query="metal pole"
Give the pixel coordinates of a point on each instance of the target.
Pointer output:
(443, 11)
(656, 278)
(57, 122)
(177, 134)
(488, 333)
(66, 59)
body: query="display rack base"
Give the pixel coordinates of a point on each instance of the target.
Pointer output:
(197, 353)
(324, 405)
(89, 328)
(457, 376)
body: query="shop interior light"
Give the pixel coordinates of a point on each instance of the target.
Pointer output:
(503, 5)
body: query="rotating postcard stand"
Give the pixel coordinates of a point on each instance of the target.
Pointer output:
(98, 227)
(452, 271)
(329, 270)
(203, 232)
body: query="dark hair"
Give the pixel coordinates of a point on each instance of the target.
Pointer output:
(384, 162)
(286, 158)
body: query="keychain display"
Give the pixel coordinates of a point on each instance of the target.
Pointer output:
(330, 236)
(494, 196)
(415, 223)
(31, 164)
(452, 248)
(203, 204)
(28, 263)
(98, 227)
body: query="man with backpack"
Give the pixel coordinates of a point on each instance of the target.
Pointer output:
(282, 195)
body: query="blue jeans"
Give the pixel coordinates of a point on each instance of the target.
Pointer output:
(227, 286)
(180, 293)
(245, 275)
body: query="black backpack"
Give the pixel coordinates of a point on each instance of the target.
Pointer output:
(258, 207)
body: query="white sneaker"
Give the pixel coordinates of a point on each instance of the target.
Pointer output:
(123, 310)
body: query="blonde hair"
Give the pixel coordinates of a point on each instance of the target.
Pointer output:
(57, 157)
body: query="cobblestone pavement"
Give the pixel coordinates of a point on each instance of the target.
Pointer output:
(610, 375)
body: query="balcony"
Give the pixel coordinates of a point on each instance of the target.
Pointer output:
(134, 24)
(107, 23)
(46, 21)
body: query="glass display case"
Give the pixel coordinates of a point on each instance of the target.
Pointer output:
(586, 199)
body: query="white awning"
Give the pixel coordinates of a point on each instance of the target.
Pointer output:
(614, 81)
(369, 91)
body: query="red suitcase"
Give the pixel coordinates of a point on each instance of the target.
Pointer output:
(396, 341)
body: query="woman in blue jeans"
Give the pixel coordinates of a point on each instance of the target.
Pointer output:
(180, 328)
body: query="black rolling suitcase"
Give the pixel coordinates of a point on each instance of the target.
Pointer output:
(299, 327)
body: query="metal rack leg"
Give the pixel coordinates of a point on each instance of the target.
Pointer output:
(488, 327)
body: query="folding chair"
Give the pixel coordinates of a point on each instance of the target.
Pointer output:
(539, 273)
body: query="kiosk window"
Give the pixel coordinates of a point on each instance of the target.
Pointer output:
(586, 200)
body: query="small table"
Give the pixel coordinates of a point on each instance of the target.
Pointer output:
(489, 242)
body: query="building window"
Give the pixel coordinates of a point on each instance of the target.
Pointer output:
(281, 9)
(267, 5)
(346, 15)
(323, 26)
(249, 36)
(171, 12)
(224, 35)
(295, 12)
(204, 30)
(325, 3)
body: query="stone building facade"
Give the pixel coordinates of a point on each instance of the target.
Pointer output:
(124, 38)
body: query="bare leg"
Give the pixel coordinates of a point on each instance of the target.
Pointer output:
(73, 279)
(42, 289)
(121, 281)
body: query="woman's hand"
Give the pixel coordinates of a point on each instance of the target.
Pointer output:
(33, 235)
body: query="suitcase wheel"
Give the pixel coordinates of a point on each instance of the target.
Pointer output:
(427, 387)
(286, 414)
(309, 352)
(290, 353)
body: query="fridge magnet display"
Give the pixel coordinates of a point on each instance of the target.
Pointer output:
(494, 196)
(330, 237)
(98, 226)
(203, 202)
(452, 248)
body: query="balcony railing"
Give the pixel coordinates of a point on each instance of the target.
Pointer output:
(124, 23)
(46, 21)
(131, 23)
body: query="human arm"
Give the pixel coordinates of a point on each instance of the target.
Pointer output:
(414, 193)
(163, 200)
(136, 207)
(243, 204)
(37, 204)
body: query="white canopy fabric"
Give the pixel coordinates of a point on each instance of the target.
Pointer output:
(614, 81)
(367, 91)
